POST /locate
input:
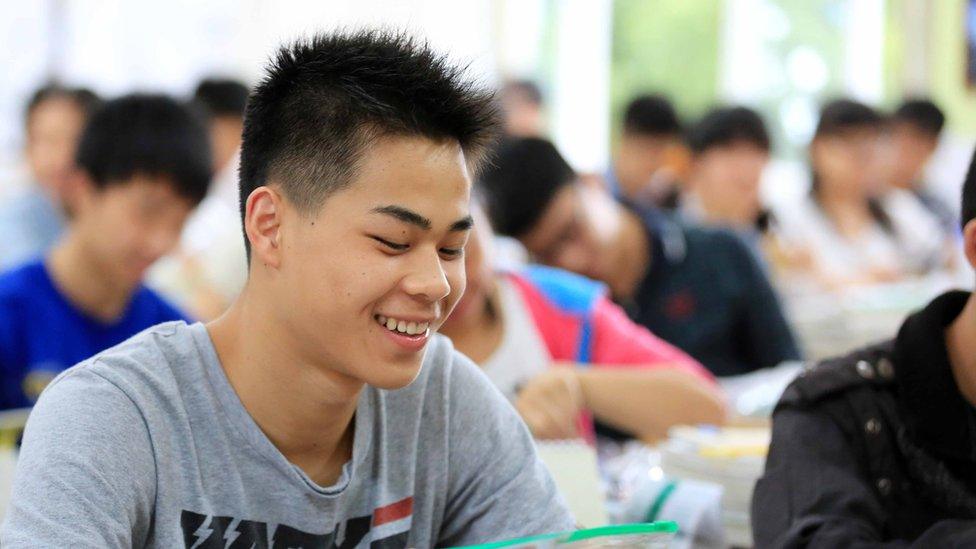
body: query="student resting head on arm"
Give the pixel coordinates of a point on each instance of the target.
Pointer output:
(555, 345)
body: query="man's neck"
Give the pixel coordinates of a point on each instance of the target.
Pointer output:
(82, 281)
(632, 258)
(961, 348)
(306, 411)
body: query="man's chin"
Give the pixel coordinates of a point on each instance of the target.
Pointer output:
(393, 383)
(400, 377)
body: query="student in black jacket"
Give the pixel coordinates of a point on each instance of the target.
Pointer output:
(878, 448)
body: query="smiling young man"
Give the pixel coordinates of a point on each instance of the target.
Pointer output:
(319, 411)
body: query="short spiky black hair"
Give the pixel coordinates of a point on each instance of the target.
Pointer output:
(728, 125)
(922, 114)
(151, 135)
(521, 181)
(324, 99)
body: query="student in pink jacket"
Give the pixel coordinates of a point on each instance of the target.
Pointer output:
(564, 354)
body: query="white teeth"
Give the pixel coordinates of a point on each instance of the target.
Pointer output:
(403, 326)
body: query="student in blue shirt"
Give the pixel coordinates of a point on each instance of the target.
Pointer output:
(143, 164)
(700, 289)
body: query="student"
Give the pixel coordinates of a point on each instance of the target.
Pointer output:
(650, 155)
(208, 269)
(32, 221)
(561, 351)
(842, 225)
(699, 289)
(224, 102)
(730, 149)
(143, 164)
(523, 109)
(876, 449)
(915, 129)
(912, 137)
(320, 410)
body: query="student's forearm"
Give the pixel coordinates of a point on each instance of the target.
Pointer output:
(646, 402)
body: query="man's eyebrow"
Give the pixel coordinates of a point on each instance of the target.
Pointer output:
(462, 224)
(414, 218)
(405, 215)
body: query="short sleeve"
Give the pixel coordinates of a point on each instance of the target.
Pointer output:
(620, 342)
(85, 476)
(498, 488)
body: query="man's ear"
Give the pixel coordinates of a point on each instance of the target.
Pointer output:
(262, 223)
(969, 242)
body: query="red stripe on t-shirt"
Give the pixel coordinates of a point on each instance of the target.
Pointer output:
(394, 511)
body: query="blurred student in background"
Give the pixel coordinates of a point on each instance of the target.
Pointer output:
(843, 226)
(143, 163)
(730, 150)
(560, 350)
(523, 109)
(650, 157)
(913, 136)
(209, 268)
(32, 222)
(700, 289)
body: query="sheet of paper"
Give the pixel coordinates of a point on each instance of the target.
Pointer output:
(574, 468)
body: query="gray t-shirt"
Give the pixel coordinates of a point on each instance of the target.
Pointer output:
(148, 445)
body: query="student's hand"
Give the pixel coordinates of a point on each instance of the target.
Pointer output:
(551, 402)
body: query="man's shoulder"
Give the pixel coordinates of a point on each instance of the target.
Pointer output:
(867, 371)
(713, 242)
(22, 290)
(22, 279)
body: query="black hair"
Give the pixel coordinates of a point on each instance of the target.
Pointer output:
(324, 99)
(150, 135)
(520, 181)
(85, 99)
(841, 115)
(836, 118)
(527, 88)
(651, 115)
(726, 126)
(968, 210)
(923, 114)
(222, 97)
